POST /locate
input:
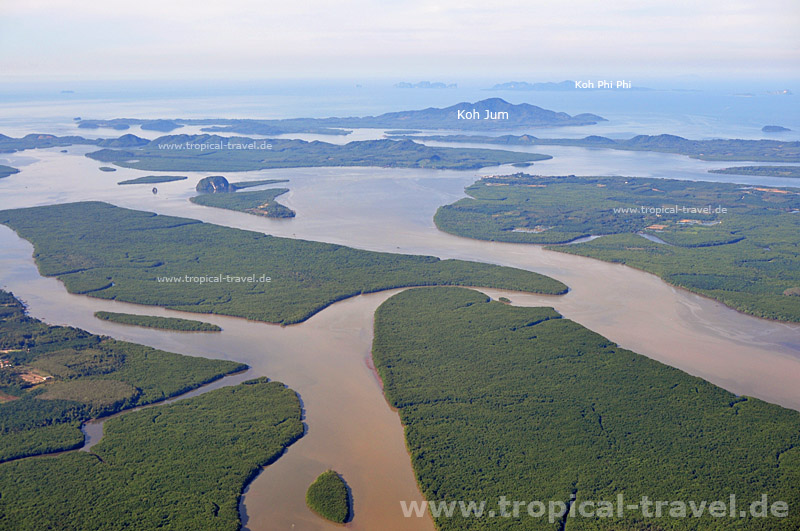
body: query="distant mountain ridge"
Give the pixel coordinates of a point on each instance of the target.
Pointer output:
(519, 115)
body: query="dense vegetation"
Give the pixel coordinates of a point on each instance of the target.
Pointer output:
(89, 376)
(261, 203)
(507, 401)
(5, 171)
(173, 467)
(214, 153)
(328, 497)
(746, 257)
(154, 179)
(766, 171)
(718, 149)
(115, 253)
(163, 323)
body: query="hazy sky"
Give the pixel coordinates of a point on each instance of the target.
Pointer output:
(102, 39)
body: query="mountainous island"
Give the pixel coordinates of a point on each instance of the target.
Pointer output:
(509, 116)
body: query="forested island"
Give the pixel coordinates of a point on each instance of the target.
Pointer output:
(717, 149)
(328, 497)
(260, 203)
(174, 466)
(519, 403)
(53, 378)
(217, 192)
(218, 153)
(114, 253)
(730, 242)
(162, 323)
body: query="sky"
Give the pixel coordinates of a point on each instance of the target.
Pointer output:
(508, 39)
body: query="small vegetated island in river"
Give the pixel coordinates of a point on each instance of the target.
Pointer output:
(53, 378)
(518, 404)
(154, 179)
(718, 149)
(5, 171)
(734, 243)
(217, 192)
(162, 323)
(174, 466)
(328, 497)
(114, 253)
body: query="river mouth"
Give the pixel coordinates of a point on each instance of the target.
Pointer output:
(351, 428)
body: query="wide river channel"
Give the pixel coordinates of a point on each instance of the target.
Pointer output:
(326, 359)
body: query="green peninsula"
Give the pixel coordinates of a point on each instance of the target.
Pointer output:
(53, 378)
(737, 244)
(718, 149)
(175, 466)
(789, 172)
(114, 253)
(518, 403)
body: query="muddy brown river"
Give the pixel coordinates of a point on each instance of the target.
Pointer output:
(325, 359)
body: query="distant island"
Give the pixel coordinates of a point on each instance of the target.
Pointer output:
(774, 129)
(567, 85)
(106, 168)
(120, 124)
(426, 85)
(718, 149)
(39, 141)
(524, 85)
(502, 116)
